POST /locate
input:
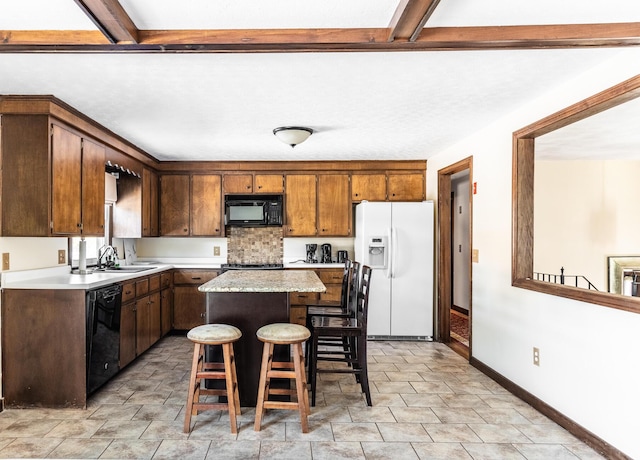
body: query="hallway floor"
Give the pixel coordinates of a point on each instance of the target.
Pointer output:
(429, 403)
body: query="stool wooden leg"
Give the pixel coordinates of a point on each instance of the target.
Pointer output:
(301, 386)
(263, 386)
(232, 384)
(192, 387)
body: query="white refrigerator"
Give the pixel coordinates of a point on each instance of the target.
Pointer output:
(396, 240)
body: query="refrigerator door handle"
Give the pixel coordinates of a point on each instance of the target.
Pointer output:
(389, 260)
(394, 251)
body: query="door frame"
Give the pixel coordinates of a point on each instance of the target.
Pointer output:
(445, 278)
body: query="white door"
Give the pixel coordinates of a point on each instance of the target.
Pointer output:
(374, 220)
(412, 269)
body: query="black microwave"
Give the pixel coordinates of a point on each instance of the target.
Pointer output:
(253, 210)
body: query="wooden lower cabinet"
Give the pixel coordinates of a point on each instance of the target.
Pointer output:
(141, 315)
(189, 304)
(127, 333)
(332, 280)
(166, 311)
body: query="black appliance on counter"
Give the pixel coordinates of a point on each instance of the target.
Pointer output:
(226, 267)
(103, 307)
(311, 253)
(326, 253)
(253, 210)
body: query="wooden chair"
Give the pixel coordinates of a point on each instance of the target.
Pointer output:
(350, 330)
(283, 334)
(344, 309)
(213, 334)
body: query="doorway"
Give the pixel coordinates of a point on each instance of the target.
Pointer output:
(454, 258)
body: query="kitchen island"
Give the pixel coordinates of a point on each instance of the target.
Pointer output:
(249, 299)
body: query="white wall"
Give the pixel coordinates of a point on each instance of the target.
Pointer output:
(585, 204)
(588, 353)
(31, 253)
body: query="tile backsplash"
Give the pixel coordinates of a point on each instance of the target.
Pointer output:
(253, 245)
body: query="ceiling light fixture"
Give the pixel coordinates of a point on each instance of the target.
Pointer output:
(292, 135)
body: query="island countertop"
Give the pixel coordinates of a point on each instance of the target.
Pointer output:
(265, 281)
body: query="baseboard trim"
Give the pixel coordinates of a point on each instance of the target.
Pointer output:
(586, 436)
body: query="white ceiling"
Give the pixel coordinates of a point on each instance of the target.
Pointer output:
(362, 106)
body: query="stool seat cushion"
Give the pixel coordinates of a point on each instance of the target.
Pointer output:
(214, 334)
(283, 333)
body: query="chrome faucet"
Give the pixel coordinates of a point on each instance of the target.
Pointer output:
(110, 253)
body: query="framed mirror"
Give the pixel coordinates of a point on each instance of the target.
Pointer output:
(582, 238)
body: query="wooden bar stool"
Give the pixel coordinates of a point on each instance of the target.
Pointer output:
(213, 334)
(283, 334)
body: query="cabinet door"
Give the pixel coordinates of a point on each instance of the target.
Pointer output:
(205, 205)
(300, 196)
(149, 203)
(166, 311)
(66, 175)
(143, 325)
(406, 187)
(155, 318)
(189, 307)
(238, 183)
(371, 187)
(268, 183)
(174, 205)
(334, 205)
(127, 333)
(93, 156)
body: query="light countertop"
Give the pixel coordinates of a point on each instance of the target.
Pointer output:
(265, 281)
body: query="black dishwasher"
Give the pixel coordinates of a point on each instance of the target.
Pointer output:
(103, 335)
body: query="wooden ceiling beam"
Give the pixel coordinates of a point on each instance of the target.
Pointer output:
(112, 20)
(330, 40)
(409, 19)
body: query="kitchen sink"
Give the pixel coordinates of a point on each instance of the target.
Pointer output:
(124, 269)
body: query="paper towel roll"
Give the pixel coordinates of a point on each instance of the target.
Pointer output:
(82, 256)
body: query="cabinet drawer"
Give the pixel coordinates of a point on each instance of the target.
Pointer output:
(128, 292)
(330, 276)
(142, 287)
(165, 280)
(303, 298)
(154, 283)
(298, 315)
(193, 276)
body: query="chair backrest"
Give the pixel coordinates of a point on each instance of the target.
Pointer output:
(354, 287)
(363, 295)
(346, 279)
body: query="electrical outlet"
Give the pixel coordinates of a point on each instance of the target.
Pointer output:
(62, 256)
(536, 356)
(216, 250)
(5, 261)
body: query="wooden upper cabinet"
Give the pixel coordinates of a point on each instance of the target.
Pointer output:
(190, 205)
(77, 198)
(93, 158)
(405, 187)
(334, 205)
(238, 183)
(66, 181)
(206, 199)
(300, 204)
(149, 203)
(268, 183)
(371, 187)
(174, 205)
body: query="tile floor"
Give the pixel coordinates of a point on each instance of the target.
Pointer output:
(428, 404)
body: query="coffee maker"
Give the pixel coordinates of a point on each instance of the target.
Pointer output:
(326, 253)
(311, 253)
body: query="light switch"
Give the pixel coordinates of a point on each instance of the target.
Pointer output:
(474, 255)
